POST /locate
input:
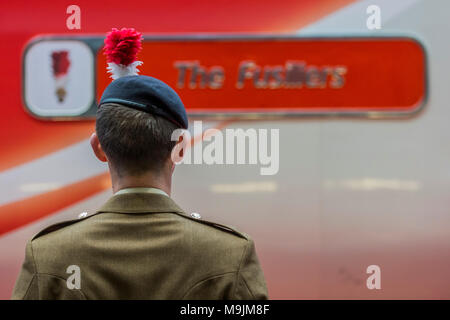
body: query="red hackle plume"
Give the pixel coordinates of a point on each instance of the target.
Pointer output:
(122, 46)
(60, 63)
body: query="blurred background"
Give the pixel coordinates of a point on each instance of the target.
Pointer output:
(350, 192)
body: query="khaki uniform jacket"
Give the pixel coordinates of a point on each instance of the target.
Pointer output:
(141, 246)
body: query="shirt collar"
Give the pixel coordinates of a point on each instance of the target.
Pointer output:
(141, 190)
(132, 202)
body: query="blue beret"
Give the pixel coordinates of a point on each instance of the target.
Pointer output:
(149, 95)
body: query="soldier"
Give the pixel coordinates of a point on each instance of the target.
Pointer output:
(140, 244)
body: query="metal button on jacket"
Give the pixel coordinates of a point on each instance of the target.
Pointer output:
(82, 215)
(196, 215)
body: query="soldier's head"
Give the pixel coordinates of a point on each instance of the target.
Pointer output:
(137, 115)
(132, 141)
(136, 118)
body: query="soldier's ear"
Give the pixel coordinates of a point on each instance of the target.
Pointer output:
(97, 148)
(183, 142)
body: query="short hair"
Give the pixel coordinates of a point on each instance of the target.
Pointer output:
(134, 141)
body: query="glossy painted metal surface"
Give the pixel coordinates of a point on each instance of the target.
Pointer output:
(349, 193)
(289, 75)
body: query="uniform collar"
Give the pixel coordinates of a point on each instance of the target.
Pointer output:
(141, 190)
(140, 203)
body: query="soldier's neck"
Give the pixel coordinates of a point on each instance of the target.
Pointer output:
(146, 180)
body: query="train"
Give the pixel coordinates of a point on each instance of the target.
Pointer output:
(362, 115)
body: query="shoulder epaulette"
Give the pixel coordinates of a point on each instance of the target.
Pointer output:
(58, 226)
(216, 225)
